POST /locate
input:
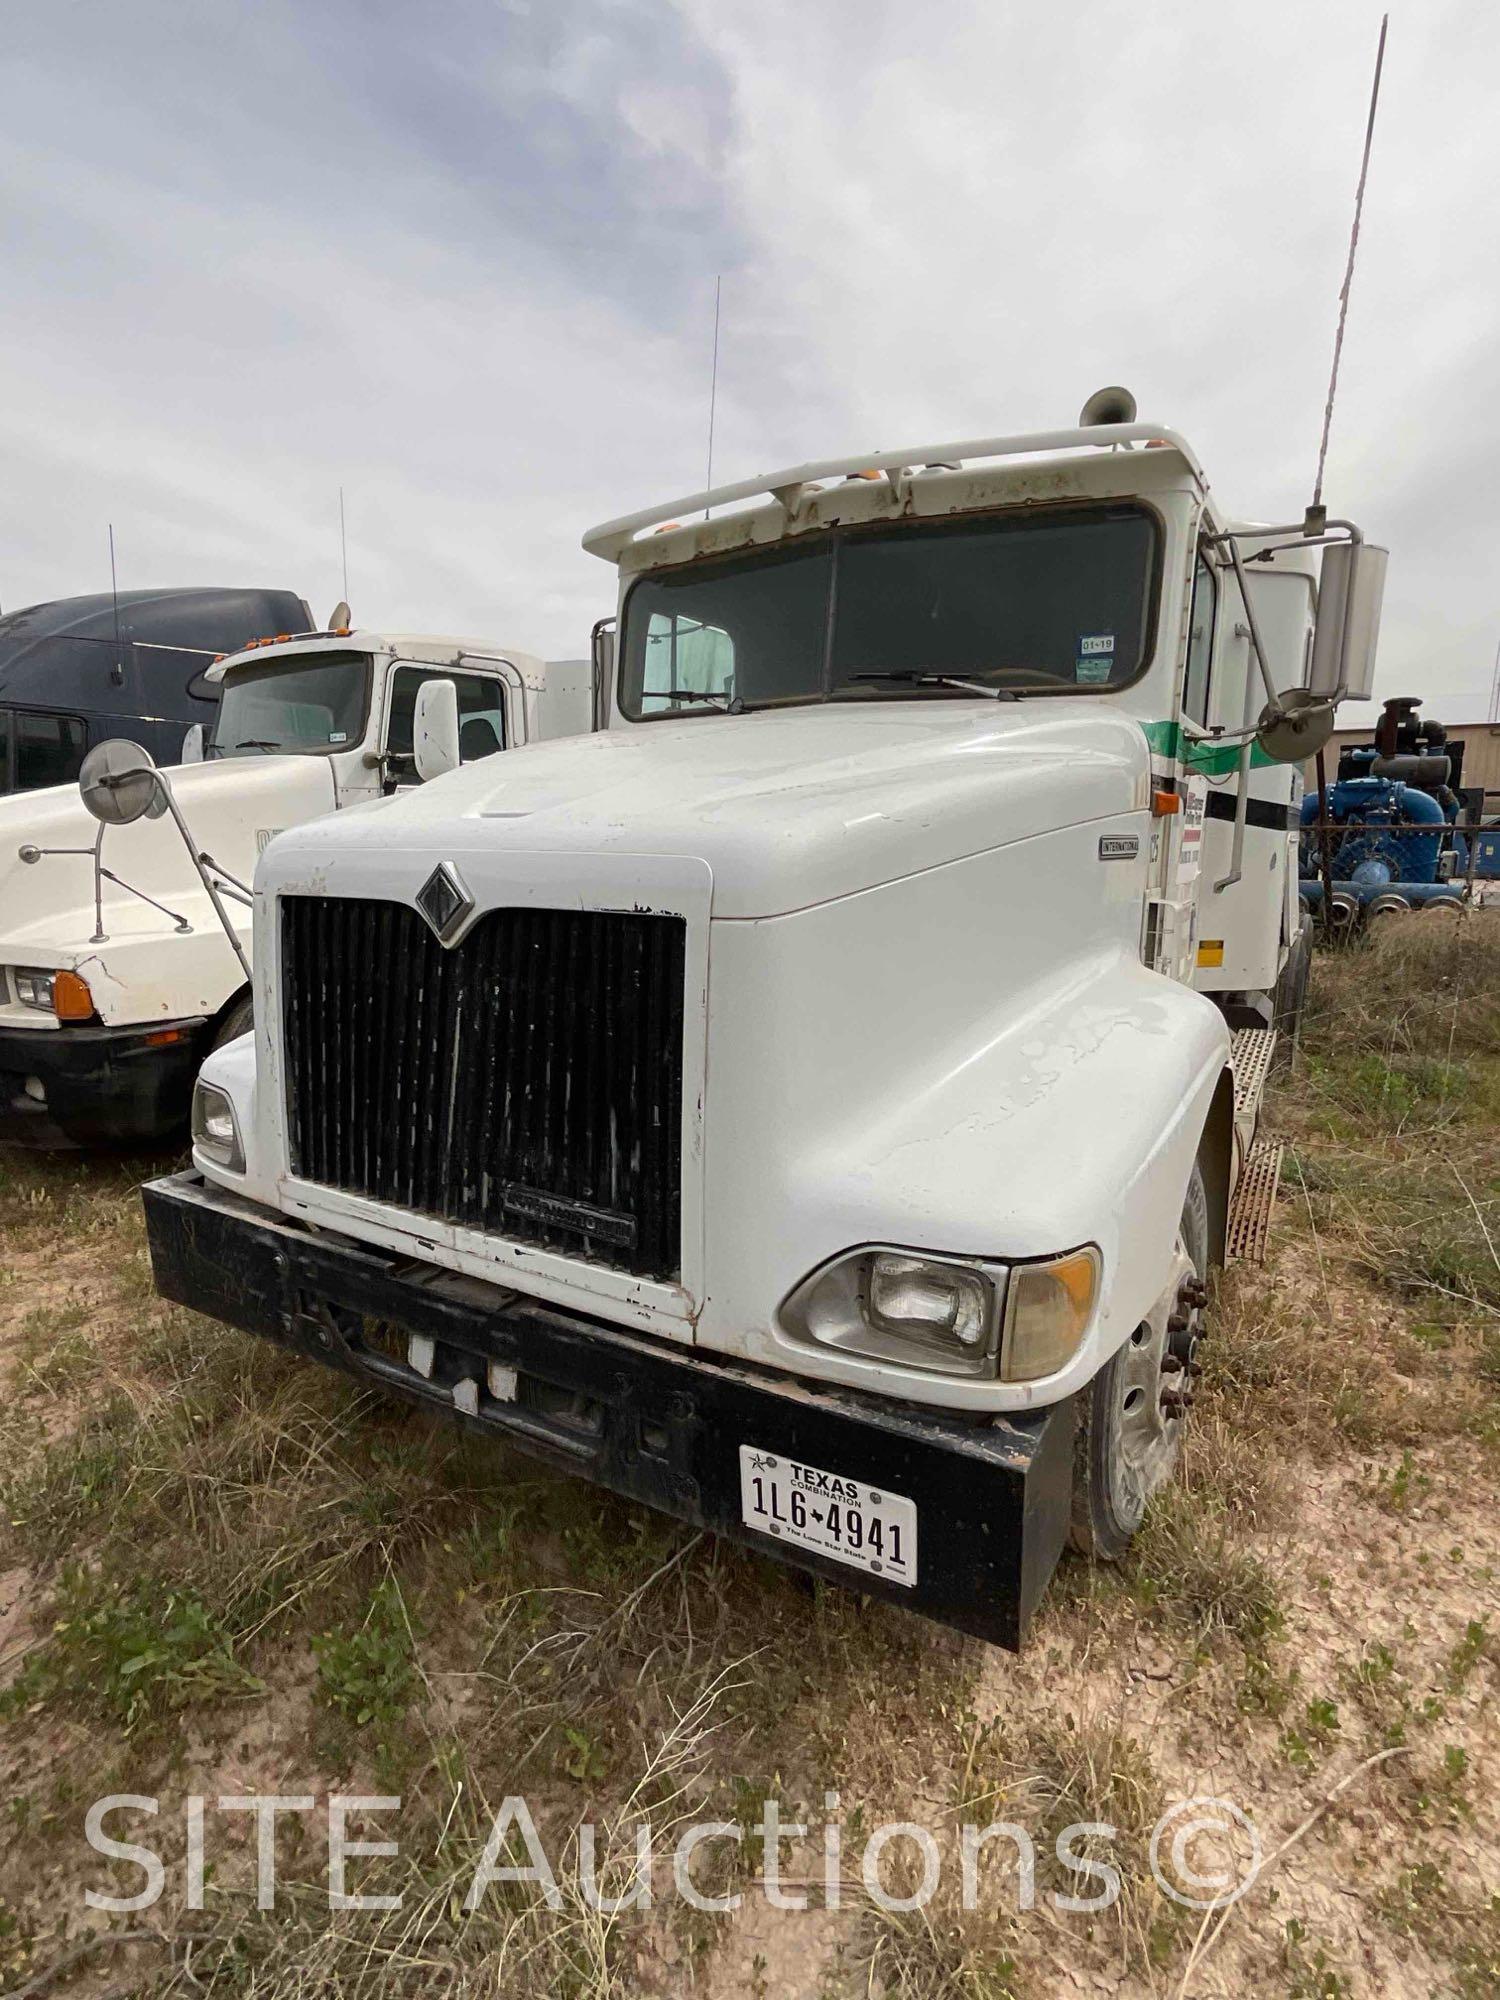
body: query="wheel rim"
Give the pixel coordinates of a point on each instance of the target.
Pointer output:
(1153, 1390)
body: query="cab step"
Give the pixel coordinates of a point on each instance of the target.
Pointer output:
(1254, 1198)
(1250, 1053)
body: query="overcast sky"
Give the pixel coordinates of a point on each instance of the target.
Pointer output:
(458, 258)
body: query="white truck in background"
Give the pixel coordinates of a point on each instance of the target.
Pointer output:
(118, 970)
(813, 1105)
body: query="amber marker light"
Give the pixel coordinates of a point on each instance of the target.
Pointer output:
(71, 998)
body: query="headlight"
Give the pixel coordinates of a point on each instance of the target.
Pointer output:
(63, 993)
(216, 1132)
(33, 989)
(891, 1305)
(1047, 1312)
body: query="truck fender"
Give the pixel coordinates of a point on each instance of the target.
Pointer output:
(1078, 1123)
(1216, 1156)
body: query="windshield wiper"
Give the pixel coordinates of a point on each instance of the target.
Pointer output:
(734, 705)
(925, 677)
(256, 743)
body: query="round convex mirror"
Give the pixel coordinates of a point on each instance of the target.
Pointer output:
(1297, 727)
(117, 781)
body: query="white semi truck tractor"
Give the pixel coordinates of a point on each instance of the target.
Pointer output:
(124, 947)
(814, 1104)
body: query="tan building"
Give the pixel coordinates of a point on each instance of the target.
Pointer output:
(1481, 741)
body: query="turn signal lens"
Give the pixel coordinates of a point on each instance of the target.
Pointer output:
(1047, 1312)
(71, 998)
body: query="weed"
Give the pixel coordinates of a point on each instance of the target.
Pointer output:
(1191, 1559)
(1474, 1646)
(124, 1651)
(1322, 1720)
(368, 1675)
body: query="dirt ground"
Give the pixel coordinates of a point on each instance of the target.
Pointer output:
(225, 1574)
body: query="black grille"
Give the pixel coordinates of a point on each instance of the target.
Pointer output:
(527, 1081)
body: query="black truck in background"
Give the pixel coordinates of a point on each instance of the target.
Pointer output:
(77, 670)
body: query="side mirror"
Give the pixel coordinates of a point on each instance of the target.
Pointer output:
(1350, 589)
(434, 733)
(118, 783)
(602, 656)
(193, 743)
(1296, 728)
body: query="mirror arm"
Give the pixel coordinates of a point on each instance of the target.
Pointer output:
(240, 891)
(179, 921)
(203, 875)
(1242, 796)
(99, 937)
(31, 854)
(1273, 693)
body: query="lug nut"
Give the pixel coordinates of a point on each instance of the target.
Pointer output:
(1194, 1293)
(1171, 1364)
(1178, 1323)
(1173, 1401)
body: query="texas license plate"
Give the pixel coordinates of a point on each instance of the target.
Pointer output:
(863, 1526)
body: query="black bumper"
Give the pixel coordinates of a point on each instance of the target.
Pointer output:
(660, 1424)
(103, 1086)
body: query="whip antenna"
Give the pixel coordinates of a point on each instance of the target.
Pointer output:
(114, 592)
(343, 545)
(1317, 508)
(713, 393)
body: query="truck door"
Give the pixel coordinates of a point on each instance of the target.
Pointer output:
(483, 727)
(1242, 905)
(1171, 938)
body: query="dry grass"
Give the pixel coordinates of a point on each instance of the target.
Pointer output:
(230, 1572)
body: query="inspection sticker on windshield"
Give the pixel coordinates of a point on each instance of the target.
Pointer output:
(863, 1526)
(1096, 659)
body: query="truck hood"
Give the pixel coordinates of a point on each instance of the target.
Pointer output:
(232, 808)
(788, 807)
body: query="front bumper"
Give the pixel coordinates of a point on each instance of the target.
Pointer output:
(660, 1424)
(103, 1086)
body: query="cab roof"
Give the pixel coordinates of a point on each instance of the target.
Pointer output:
(924, 478)
(428, 648)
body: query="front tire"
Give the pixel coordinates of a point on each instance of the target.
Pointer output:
(239, 1020)
(1130, 1417)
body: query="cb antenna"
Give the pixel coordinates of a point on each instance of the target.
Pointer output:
(713, 392)
(343, 545)
(118, 675)
(1317, 513)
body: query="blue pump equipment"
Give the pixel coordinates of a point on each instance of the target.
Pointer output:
(1393, 835)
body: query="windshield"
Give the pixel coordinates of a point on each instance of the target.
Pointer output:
(315, 705)
(1042, 603)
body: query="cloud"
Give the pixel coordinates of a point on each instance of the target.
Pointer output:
(460, 260)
